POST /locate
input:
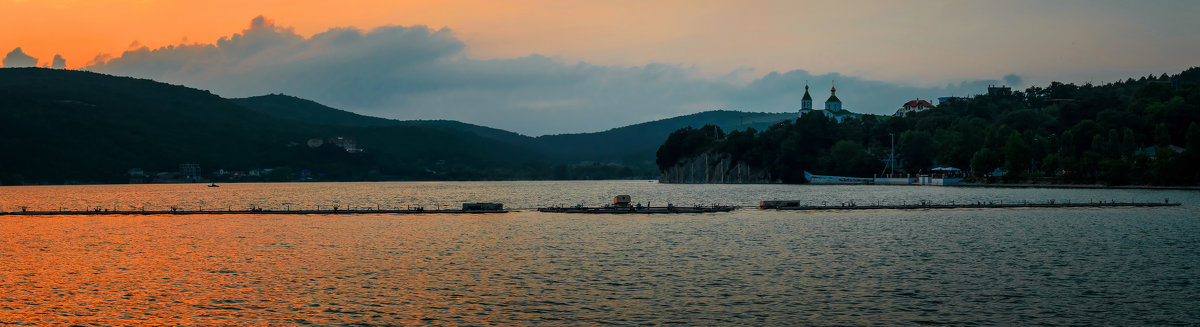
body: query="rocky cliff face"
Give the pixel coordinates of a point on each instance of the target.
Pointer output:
(709, 168)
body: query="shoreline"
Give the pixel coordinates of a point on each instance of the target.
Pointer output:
(964, 184)
(1000, 185)
(1077, 186)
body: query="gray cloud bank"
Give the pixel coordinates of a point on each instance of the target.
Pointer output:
(420, 73)
(18, 58)
(58, 62)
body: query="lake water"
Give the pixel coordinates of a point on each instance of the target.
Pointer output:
(1113, 266)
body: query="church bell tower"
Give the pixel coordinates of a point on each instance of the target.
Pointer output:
(833, 104)
(806, 103)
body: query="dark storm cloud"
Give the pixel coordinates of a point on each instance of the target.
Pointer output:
(421, 73)
(18, 58)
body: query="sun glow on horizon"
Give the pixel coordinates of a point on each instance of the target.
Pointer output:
(907, 43)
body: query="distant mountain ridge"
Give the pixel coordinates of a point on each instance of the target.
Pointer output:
(63, 126)
(639, 141)
(310, 112)
(629, 144)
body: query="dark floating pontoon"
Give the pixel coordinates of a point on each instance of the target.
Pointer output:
(466, 208)
(621, 205)
(797, 205)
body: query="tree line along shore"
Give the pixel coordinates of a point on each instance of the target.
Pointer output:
(1136, 132)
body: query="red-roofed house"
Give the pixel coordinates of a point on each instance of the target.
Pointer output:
(917, 105)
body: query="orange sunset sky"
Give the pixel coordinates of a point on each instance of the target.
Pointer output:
(933, 41)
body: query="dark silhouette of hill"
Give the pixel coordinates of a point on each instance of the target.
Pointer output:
(630, 144)
(638, 142)
(62, 126)
(308, 111)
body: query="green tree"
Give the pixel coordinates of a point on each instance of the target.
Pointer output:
(1128, 143)
(849, 158)
(916, 147)
(1162, 136)
(1017, 155)
(1113, 144)
(1113, 171)
(1052, 164)
(984, 161)
(686, 143)
(1191, 157)
(1193, 139)
(1176, 113)
(1099, 144)
(560, 172)
(954, 148)
(1068, 144)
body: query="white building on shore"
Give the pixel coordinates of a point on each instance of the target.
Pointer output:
(912, 106)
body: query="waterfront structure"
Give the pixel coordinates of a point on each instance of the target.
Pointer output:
(137, 176)
(942, 176)
(939, 176)
(833, 106)
(345, 142)
(1152, 151)
(190, 171)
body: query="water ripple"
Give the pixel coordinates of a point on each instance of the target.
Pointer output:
(749, 267)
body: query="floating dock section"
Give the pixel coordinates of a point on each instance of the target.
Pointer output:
(636, 210)
(621, 205)
(797, 205)
(471, 208)
(240, 212)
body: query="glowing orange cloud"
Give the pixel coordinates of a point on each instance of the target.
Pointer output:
(603, 32)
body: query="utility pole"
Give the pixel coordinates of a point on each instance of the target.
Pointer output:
(892, 159)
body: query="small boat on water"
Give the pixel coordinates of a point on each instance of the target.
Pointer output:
(621, 205)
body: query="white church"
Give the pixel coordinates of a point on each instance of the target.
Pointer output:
(833, 106)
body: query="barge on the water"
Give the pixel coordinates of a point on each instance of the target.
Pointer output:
(621, 205)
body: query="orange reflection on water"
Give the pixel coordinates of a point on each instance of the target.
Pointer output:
(748, 267)
(219, 270)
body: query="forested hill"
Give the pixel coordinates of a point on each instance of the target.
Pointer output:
(639, 141)
(62, 126)
(632, 145)
(308, 111)
(58, 125)
(1141, 131)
